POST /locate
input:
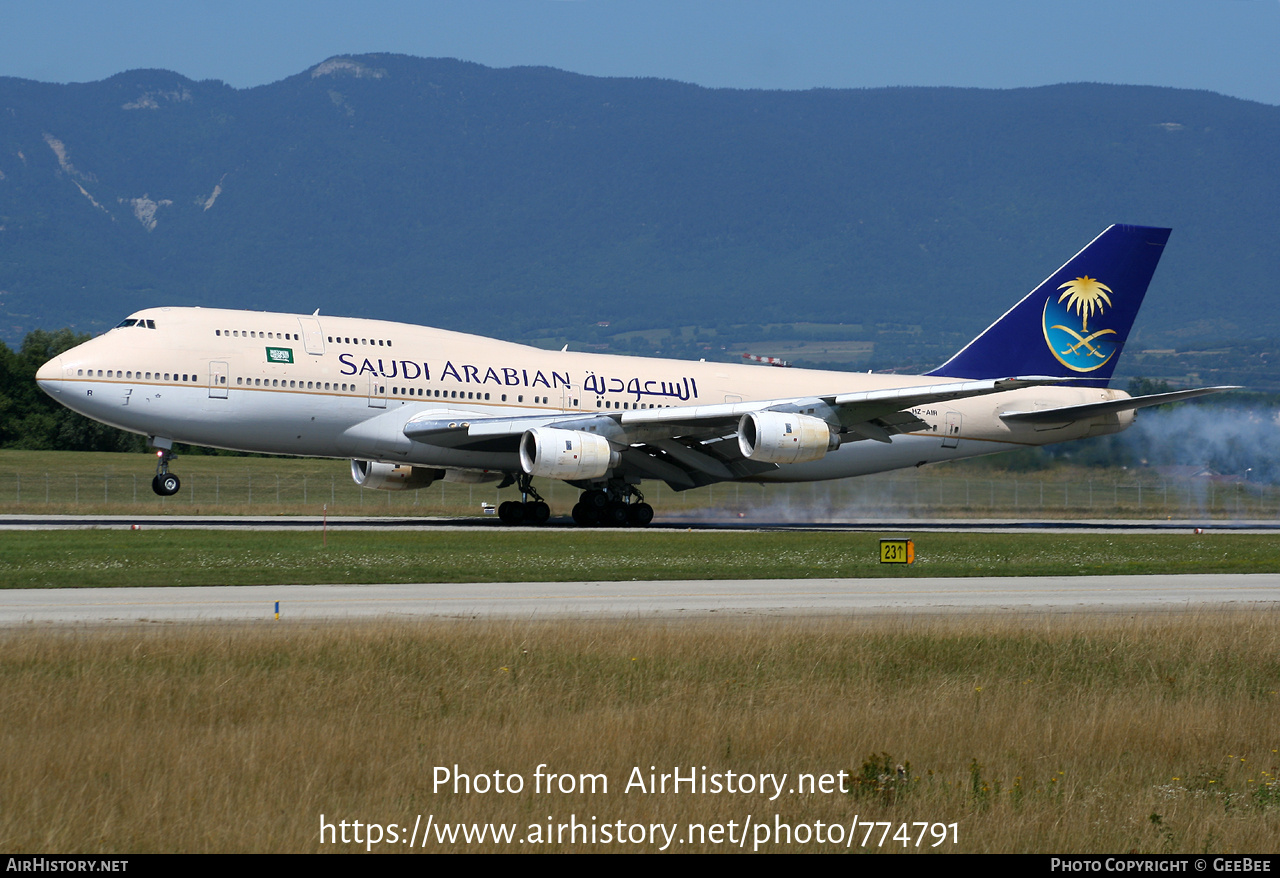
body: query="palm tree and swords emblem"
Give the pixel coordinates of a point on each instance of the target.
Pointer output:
(1079, 350)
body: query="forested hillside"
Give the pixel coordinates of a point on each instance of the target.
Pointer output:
(532, 203)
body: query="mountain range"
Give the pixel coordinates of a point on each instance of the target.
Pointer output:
(530, 203)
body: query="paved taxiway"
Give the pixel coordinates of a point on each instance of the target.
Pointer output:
(680, 598)
(634, 599)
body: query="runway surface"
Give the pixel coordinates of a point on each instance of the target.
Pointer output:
(683, 599)
(692, 522)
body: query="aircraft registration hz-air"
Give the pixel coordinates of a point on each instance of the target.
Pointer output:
(409, 404)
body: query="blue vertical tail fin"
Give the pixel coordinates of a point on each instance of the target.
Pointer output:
(1074, 324)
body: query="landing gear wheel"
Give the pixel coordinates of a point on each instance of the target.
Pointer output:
(639, 514)
(537, 513)
(615, 514)
(530, 509)
(166, 484)
(595, 499)
(511, 512)
(585, 516)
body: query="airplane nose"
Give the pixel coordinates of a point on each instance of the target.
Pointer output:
(49, 376)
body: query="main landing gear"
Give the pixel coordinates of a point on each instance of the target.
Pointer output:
(523, 511)
(616, 505)
(166, 484)
(611, 507)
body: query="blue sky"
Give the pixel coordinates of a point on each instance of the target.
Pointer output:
(1227, 46)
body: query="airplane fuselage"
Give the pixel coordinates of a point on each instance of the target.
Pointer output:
(346, 388)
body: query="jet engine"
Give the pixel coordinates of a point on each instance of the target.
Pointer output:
(781, 437)
(566, 454)
(392, 477)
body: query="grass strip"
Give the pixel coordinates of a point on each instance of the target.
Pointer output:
(157, 557)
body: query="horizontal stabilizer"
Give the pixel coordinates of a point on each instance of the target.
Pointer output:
(1093, 409)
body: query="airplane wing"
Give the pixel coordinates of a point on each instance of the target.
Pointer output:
(850, 409)
(1069, 413)
(691, 446)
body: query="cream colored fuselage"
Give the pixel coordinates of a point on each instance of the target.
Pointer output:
(346, 387)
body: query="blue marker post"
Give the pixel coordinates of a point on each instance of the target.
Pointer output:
(277, 611)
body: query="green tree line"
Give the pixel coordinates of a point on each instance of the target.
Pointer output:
(30, 419)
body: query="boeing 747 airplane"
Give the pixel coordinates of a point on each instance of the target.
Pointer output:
(409, 404)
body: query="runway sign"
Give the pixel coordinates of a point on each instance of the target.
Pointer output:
(897, 552)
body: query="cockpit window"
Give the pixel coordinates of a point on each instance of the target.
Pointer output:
(133, 321)
(124, 323)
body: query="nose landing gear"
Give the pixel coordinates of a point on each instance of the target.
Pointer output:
(166, 484)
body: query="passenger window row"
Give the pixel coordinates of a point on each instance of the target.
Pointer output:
(353, 341)
(137, 376)
(627, 405)
(297, 385)
(251, 333)
(440, 394)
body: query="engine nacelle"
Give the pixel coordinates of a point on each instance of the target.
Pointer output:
(780, 437)
(392, 477)
(566, 454)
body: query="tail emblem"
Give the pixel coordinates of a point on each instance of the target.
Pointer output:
(1080, 350)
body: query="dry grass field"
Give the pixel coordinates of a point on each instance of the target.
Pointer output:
(1064, 733)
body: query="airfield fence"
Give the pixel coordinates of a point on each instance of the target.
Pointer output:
(265, 486)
